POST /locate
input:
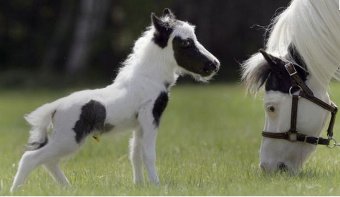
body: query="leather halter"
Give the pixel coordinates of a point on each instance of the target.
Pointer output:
(293, 135)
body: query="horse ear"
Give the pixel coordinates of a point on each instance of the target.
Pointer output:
(267, 57)
(157, 23)
(169, 13)
(276, 64)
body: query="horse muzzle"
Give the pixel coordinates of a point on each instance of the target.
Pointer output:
(211, 67)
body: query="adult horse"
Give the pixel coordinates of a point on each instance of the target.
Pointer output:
(301, 57)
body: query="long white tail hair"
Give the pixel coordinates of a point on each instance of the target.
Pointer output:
(313, 27)
(40, 120)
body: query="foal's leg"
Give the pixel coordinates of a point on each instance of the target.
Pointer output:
(28, 162)
(136, 156)
(149, 134)
(149, 155)
(52, 151)
(55, 171)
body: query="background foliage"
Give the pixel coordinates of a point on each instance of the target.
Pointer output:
(56, 43)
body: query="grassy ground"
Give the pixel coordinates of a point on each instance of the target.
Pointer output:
(207, 145)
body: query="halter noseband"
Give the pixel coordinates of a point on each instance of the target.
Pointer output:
(293, 135)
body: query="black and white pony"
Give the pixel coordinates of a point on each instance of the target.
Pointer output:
(135, 101)
(306, 35)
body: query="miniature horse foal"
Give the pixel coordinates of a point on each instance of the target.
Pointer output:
(135, 101)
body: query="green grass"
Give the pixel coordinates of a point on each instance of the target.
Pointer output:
(207, 145)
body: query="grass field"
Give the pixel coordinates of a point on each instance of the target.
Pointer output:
(207, 145)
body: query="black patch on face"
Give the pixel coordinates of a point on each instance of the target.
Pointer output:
(159, 107)
(162, 38)
(281, 81)
(163, 29)
(189, 57)
(278, 78)
(92, 117)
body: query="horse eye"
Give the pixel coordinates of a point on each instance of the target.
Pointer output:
(270, 108)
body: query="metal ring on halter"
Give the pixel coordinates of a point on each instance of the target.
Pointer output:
(291, 88)
(332, 143)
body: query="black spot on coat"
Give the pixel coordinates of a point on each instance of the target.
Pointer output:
(92, 117)
(159, 107)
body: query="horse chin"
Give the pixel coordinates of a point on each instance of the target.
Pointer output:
(196, 76)
(199, 78)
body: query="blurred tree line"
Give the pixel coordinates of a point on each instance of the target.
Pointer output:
(57, 43)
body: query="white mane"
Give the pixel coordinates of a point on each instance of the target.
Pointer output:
(313, 27)
(138, 52)
(146, 54)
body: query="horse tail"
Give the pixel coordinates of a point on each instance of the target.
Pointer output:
(40, 120)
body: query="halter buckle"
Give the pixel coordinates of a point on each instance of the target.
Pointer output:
(290, 69)
(332, 143)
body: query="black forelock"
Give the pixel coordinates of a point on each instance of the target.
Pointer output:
(161, 37)
(279, 80)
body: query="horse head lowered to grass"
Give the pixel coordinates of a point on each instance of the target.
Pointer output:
(301, 57)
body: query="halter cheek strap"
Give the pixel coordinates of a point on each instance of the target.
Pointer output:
(306, 93)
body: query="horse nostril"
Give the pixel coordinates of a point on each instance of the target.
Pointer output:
(282, 166)
(209, 67)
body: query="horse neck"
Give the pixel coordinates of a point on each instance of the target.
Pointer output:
(319, 89)
(149, 64)
(157, 65)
